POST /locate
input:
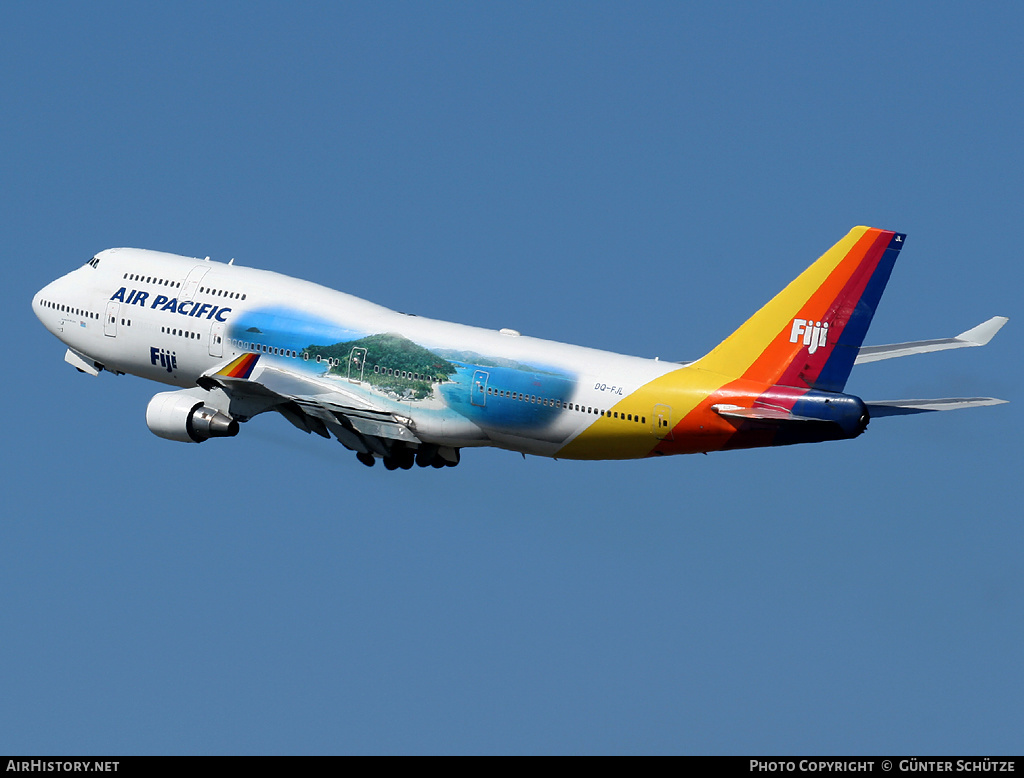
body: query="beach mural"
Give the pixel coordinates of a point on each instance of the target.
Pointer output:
(390, 363)
(394, 371)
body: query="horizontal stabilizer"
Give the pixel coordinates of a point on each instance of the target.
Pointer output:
(977, 336)
(904, 407)
(759, 414)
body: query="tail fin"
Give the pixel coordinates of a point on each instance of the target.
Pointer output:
(808, 335)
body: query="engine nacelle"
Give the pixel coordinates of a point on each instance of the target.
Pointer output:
(184, 417)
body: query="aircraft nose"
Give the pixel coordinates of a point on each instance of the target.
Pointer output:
(44, 305)
(37, 301)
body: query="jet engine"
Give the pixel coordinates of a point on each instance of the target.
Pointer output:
(185, 417)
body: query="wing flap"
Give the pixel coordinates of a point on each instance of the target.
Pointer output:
(378, 424)
(383, 429)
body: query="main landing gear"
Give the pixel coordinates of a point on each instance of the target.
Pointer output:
(405, 457)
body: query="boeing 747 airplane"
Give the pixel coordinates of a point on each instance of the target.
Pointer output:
(405, 389)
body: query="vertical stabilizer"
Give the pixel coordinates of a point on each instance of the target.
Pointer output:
(808, 335)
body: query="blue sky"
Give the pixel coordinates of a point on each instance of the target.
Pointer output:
(638, 178)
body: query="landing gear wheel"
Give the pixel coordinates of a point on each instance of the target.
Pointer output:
(367, 459)
(425, 455)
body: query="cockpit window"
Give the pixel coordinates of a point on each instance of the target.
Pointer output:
(94, 262)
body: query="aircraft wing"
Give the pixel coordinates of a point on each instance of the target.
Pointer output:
(977, 336)
(310, 405)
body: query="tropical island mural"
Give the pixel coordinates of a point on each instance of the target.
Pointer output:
(389, 362)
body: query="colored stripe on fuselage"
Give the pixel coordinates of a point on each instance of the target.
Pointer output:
(241, 367)
(841, 289)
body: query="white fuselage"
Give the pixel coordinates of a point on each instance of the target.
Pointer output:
(173, 319)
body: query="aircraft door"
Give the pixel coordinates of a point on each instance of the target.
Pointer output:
(356, 364)
(662, 418)
(191, 282)
(110, 319)
(217, 339)
(478, 389)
